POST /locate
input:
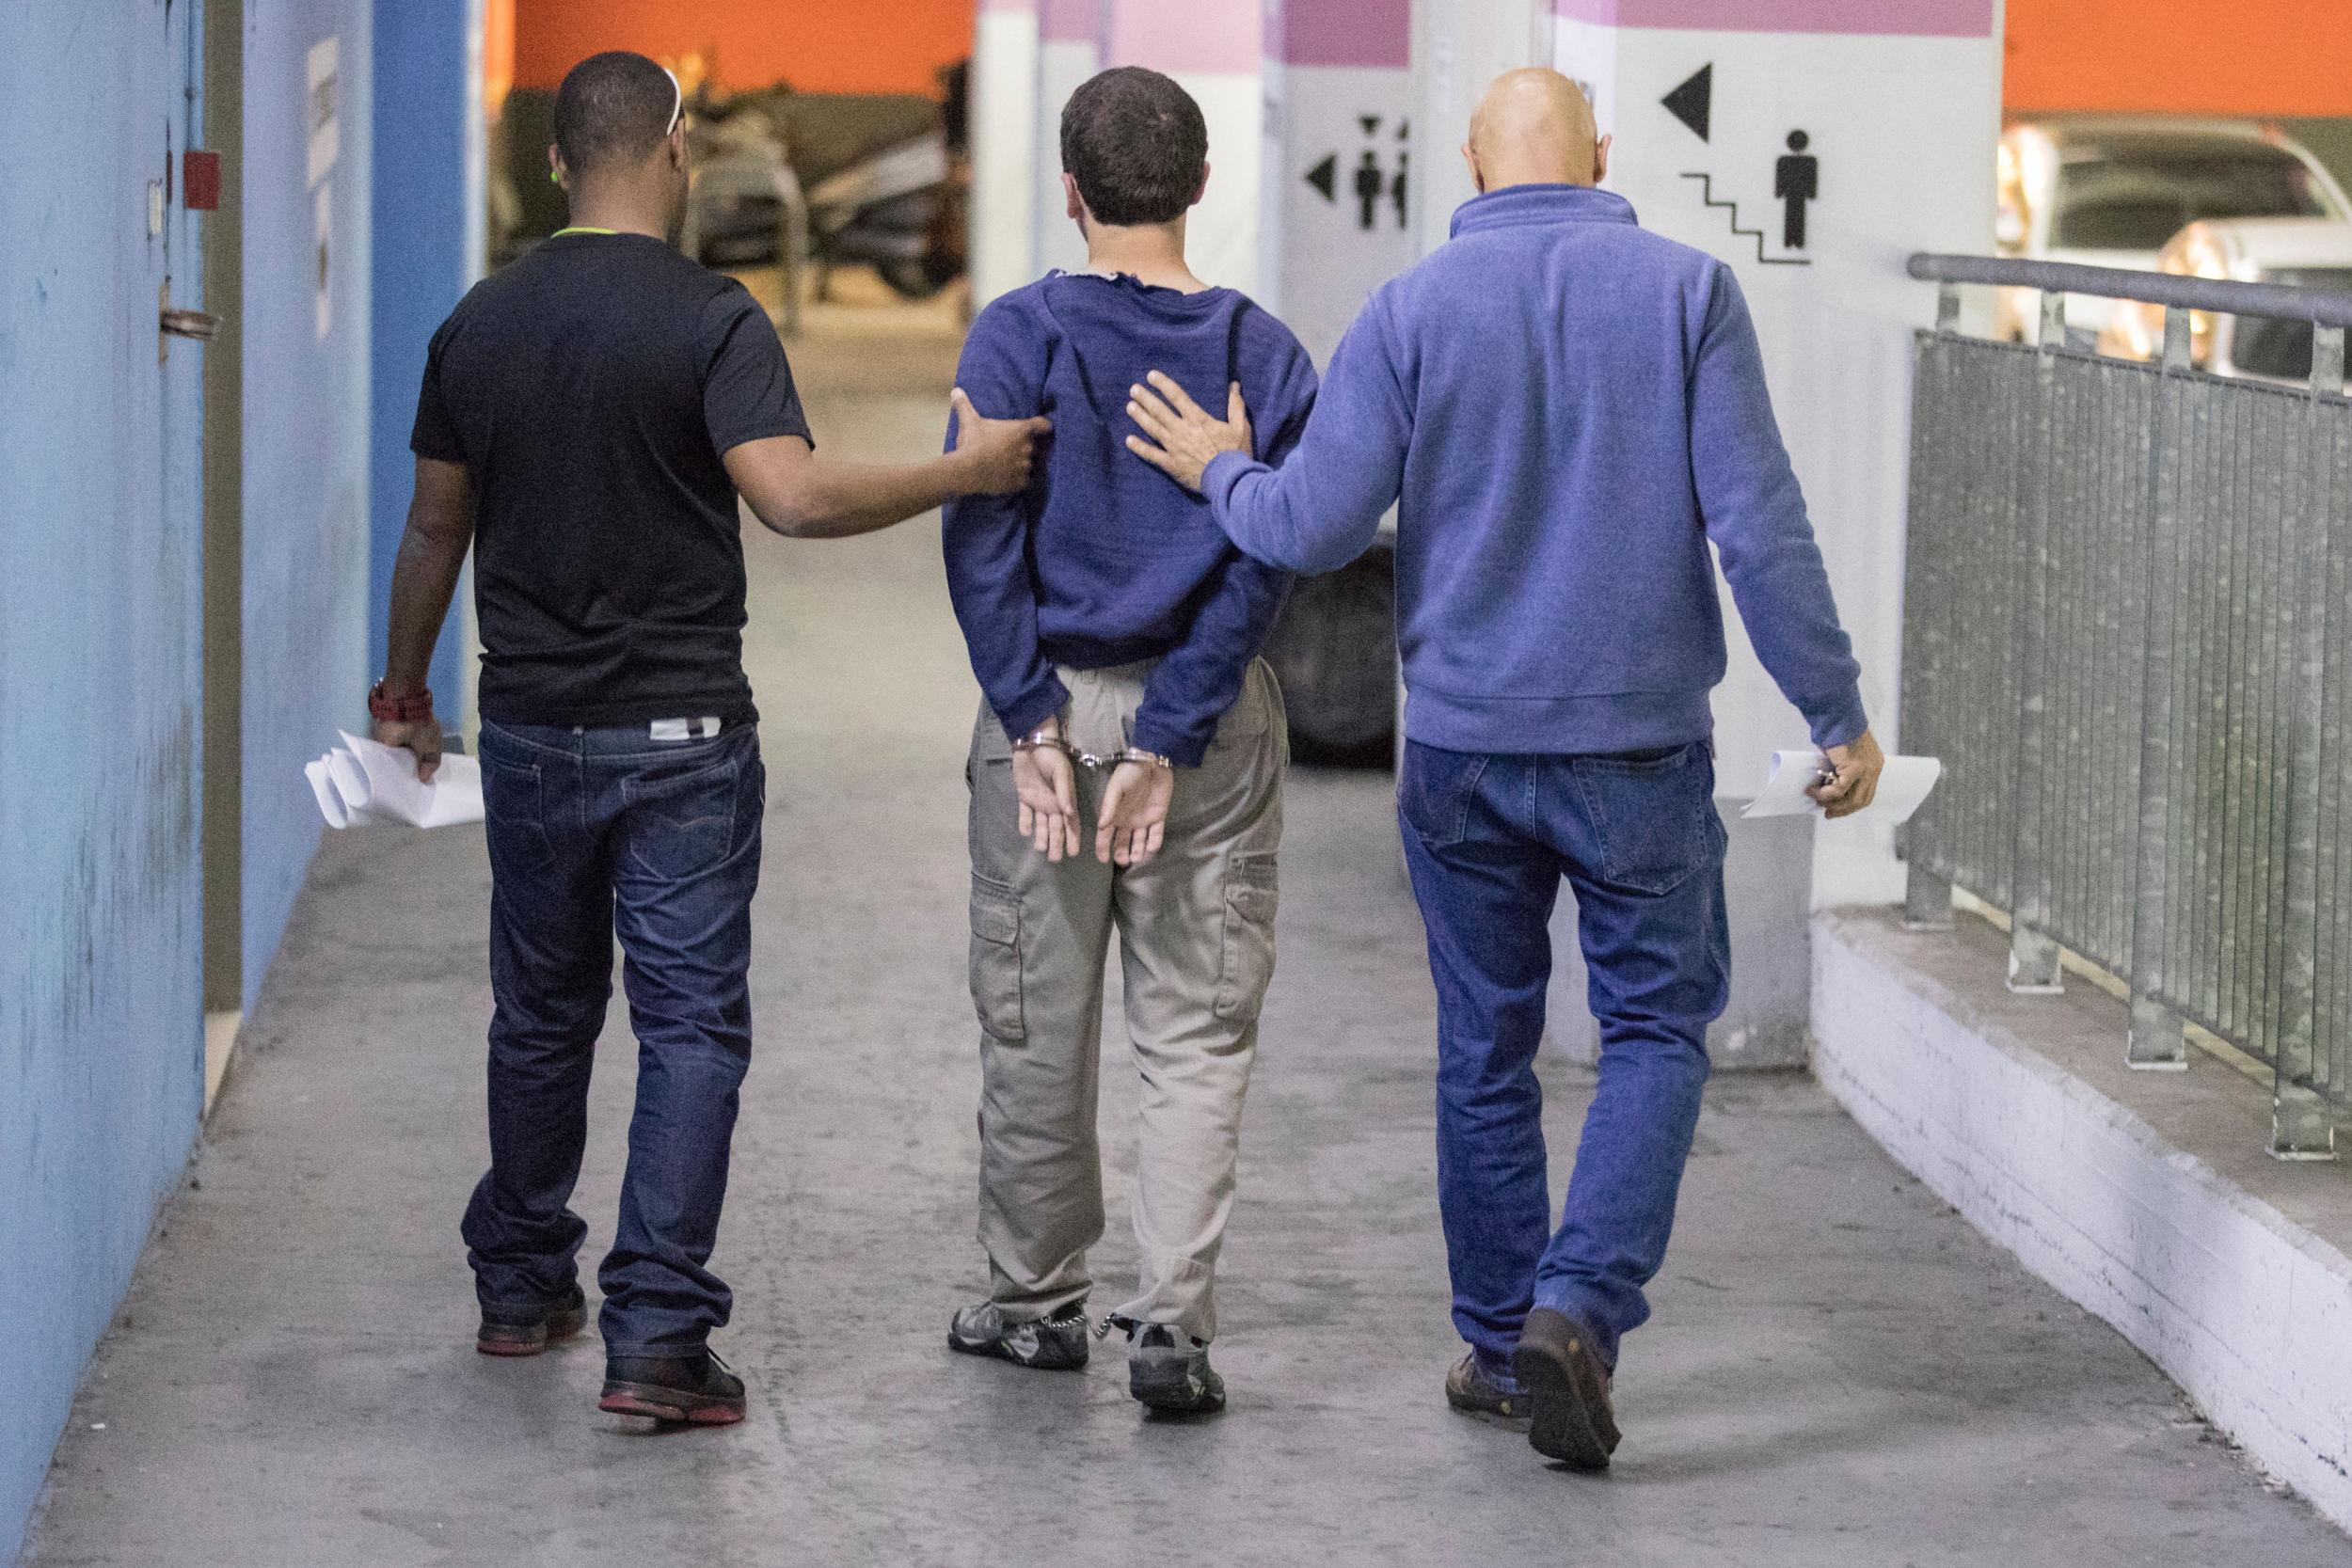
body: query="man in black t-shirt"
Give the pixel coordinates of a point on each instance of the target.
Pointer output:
(588, 419)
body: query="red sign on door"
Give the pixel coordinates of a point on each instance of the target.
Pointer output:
(199, 178)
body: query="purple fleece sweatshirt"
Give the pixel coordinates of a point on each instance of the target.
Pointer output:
(1566, 410)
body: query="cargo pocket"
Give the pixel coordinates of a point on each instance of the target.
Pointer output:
(1247, 967)
(996, 960)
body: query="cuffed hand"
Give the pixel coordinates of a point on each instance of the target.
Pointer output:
(1134, 816)
(1044, 784)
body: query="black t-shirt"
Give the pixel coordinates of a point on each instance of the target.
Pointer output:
(591, 388)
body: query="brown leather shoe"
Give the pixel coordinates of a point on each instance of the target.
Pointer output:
(1557, 1366)
(1471, 1389)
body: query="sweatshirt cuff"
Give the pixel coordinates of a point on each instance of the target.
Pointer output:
(1033, 708)
(1838, 720)
(1154, 733)
(1218, 479)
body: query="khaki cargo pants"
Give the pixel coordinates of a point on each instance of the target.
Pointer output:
(1196, 936)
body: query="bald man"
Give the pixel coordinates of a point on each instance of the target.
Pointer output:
(1565, 410)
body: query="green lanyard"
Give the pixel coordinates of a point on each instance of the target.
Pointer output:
(580, 230)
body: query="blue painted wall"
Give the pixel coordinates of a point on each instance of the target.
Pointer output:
(428, 245)
(100, 1022)
(100, 1000)
(306, 442)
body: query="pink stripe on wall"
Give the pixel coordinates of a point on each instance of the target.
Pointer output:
(1364, 34)
(1210, 37)
(1068, 21)
(1963, 19)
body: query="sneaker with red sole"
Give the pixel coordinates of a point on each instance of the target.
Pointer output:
(529, 1327)
(694, 1390)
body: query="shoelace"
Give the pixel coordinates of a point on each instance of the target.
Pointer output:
(1133, 1326)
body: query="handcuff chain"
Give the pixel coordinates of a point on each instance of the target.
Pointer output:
(1038, 741)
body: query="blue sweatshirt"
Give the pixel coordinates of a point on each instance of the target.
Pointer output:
(1104, 560)
(1566, 410)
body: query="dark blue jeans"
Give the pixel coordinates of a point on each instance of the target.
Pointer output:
(1489, 839)
(592, 832)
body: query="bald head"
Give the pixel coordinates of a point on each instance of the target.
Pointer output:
(1534, 127)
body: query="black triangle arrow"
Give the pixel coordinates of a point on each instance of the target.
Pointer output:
(1324, 177)
(1691, 100)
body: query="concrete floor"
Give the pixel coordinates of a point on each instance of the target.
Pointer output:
(1840, 1371)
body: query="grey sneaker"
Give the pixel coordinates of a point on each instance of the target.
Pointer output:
(1050, 1344)
(1170, 1371)
(1472, 1390)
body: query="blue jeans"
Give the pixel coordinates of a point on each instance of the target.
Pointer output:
(593, 832)
(1487, 839)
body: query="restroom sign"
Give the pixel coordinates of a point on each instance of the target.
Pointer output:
(1342, 184)
(1378, 188)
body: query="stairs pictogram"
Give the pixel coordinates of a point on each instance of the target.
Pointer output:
(1707, 195)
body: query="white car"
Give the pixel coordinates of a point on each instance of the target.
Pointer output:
(2110, 191)
(2313, 253)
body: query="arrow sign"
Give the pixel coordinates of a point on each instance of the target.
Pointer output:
(1324, 177)
(1690, 101)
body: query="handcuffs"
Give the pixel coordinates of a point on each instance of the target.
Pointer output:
(1039, 740)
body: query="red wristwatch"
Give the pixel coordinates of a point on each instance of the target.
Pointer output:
(399, 710)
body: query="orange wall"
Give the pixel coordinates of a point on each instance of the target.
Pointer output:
(2259, 58)
(817, 45)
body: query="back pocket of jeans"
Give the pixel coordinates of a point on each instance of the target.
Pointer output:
(682, 824)
(1654, 815)
(1434, 792)
(996, 960)
(511, 809)
(1247, 966)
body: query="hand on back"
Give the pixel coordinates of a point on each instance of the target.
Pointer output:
(999, 451)
(1189, 439)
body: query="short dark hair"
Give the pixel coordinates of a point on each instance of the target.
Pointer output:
(1136, 145)
(612, 108)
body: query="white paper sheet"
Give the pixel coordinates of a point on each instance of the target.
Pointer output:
(363, 781)
(1902, 785)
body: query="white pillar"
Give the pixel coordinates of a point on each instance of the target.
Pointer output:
(1069, 50)
(1458, 47)
(1876, 124)
(1340, 159)
(1003, 120)
(1214, 48)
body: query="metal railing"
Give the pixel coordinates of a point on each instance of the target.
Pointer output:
(2128, 632)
